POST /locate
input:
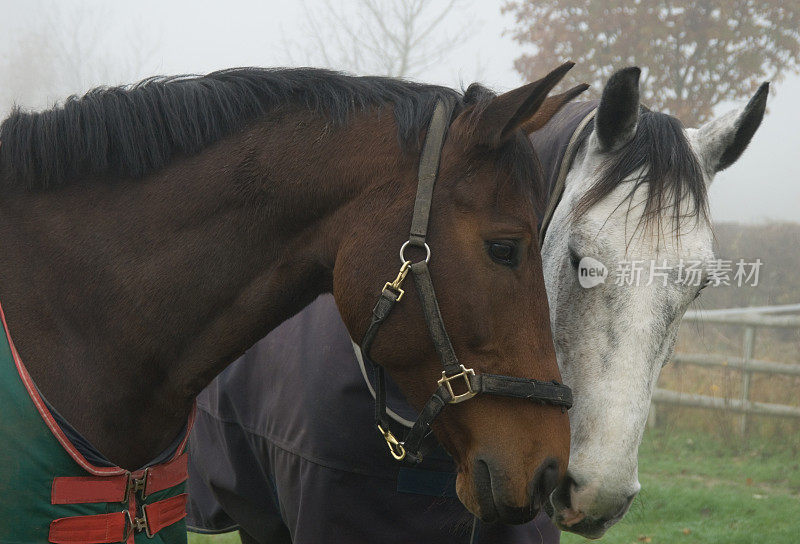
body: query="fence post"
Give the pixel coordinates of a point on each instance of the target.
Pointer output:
(651, 416)
(747, 356)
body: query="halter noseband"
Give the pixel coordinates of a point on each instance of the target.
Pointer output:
(457, 383)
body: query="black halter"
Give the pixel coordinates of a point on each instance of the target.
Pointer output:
(457, 383)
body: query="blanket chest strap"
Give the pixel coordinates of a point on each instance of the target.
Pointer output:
(93, 489)
(118, 526)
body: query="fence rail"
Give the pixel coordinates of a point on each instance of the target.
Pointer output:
(751, 319)
(665, 396)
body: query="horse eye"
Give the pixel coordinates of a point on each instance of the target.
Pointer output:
(574, 259)
(703, 286)
(503, 252)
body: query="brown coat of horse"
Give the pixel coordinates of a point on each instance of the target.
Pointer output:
(152, 234)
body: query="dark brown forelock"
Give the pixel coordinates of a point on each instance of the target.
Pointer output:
(516, 156)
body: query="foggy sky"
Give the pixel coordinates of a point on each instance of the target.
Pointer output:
(148, 37)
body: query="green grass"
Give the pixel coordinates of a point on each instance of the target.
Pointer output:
(226, 538)
(697, 489)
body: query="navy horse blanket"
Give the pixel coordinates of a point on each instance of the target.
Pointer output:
(284, 447)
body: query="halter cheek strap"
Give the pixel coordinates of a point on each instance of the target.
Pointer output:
(457, 383)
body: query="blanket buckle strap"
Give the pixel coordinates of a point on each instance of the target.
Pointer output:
(136, 524)
(137, 485)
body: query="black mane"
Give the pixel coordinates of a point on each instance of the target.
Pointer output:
(669, 167)
(131, 131)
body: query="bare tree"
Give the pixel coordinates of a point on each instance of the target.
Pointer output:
(398, 38)
(67, 49)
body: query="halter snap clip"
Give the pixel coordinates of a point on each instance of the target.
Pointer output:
(395, 446)
(398, 281)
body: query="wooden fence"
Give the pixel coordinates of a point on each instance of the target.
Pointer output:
(750, 319)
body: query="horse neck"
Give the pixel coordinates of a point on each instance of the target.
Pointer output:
(136, 293)
(552, 140)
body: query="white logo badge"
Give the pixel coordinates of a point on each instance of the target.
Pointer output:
(591, 272)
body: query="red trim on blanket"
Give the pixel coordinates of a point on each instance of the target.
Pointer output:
(89, 489)
(93, 529)
(56, 430)
(165, 512)
(92, 489)
(189, 424)
(48, 417)
(113, 527)
(170, 474)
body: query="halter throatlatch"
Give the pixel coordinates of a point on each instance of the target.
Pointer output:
(457, 383)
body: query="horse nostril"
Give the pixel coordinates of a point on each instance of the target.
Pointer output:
(482, 478)
(544, 482)
(627, 504)
(569, 482)
(619, 510)
(562, 496)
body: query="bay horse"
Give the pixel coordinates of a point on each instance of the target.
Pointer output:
(153, 233)
(244, 473)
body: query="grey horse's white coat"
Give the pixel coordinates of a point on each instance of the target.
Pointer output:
(612, 340)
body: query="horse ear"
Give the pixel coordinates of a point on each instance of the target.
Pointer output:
(550, 107)
(722, 141)
(504, 114)
(618, 112)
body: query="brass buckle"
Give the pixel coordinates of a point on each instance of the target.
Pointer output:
(136, 525)
(465, 374)
(398, 281)
(128, 529)
(136, 485)
(395, 446)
